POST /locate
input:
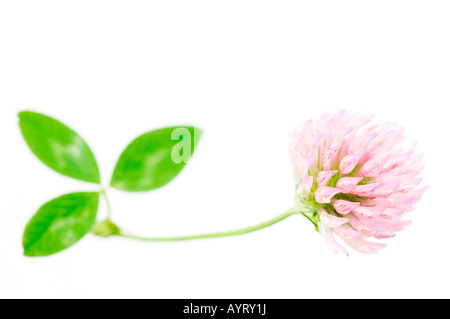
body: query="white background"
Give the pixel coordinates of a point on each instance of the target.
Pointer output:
(246, 72)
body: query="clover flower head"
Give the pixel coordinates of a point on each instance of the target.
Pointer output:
(353, 178)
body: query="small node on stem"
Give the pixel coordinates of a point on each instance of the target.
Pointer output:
(105, 228)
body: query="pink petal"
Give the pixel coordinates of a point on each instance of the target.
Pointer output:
(347, 184)
(337, 248)
(394, 164)
(324, 194)
(365, 190)
(344, 207)
(346, 232)
(305, 187)
(329, 156)
(324, 176)
(385, 190)
(349, 162)
(364, 246)
(367, 211)
(409, 186)
(385, 233)
(330, 220)
(389, 213)
(373, 167)
(302, 165)
(376, 143)
(360, 227)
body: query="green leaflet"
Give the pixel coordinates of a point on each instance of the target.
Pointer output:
(155, 158)
(59, 147)
(60, 223)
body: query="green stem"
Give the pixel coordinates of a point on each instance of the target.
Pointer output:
(265, 224)
(108, 204)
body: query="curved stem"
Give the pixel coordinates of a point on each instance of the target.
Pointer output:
(108, 204)
(265, 224)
